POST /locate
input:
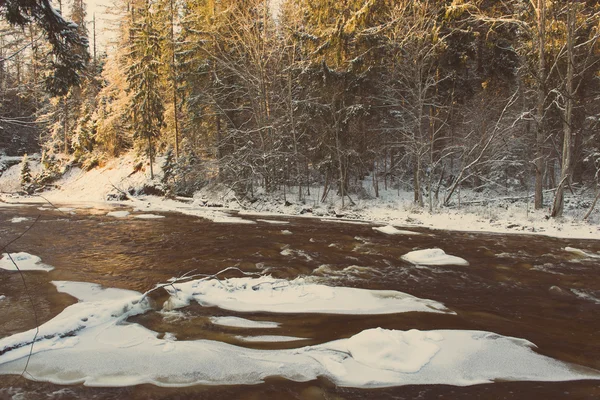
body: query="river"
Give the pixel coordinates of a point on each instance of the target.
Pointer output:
(524, 286)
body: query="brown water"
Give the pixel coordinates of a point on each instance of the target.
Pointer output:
(506, 289)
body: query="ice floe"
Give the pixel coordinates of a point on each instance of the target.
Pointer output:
(391, 230)
(91, 342)
(119, 214)
(148, 216)
(581, 253)
(433, 257)
(25, 262)
(269, 339)
(17, 220)
(238, 322)
(273, 222)
(297, 296)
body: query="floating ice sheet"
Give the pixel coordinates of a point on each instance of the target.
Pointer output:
(433, 257)
(269, 339)
(90, 343)
(297, 296)
(581, 253)
(273, 222)
(25, 262)
(148, 216)
(238, 322)
(118, 214)
(391, 230)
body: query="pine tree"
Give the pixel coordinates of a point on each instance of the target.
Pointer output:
(147, 105)
(25, 172)
(168, 166)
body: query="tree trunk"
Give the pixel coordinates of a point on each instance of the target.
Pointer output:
(565, 176)
(541, 99)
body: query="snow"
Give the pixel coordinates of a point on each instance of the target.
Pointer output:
(17, 220)
(296, 296)
(286, 232)
(581, 253)
(402, 351)
(91, 343)
(433, 257)
(269, 338)
(2, 297)
(25, 262)
(274, 222)
(237, 322)
(148, 216)
(391, 230)
(391, 208)
(118, 214)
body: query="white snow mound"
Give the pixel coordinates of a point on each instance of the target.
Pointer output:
(25, 262)
(402, 351)
(391, 230)
(297, 296)
(92, 343)
(237, 322)
(118, 214)
(433, 257)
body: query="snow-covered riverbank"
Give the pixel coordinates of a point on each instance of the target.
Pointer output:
(485, 212)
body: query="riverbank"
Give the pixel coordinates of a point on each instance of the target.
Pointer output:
(122, 181)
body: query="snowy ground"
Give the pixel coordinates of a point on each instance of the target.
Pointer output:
(392, 209)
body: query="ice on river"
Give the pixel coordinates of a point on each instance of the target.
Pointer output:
(25, 262)
(148, 216)
(297, 296)
(581, 253)
(391, 230)
(237, 322)
(91, 342)
(118, 214)
(433, 257)
(269, 339)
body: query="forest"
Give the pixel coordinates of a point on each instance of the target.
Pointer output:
(427, 96)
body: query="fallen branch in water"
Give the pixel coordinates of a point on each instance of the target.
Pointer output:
(186, 277)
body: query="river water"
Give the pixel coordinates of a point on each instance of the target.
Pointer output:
(516, 285)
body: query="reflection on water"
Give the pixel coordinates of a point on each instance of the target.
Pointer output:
(523, 286)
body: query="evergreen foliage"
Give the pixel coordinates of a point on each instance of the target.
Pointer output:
(424, 95)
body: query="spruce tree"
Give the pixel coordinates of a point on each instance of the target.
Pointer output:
(25, 171)
(143, 76)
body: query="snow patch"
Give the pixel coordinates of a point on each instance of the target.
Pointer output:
(402, 351)
(91, 343)
(17, 220)
(2, 297)
(581, 253)
(237, 322)
(269, 338)
(433, 257)
(148, 216)
(118, 214)
(297, 296)
(25, 262)
(273, 222)
(391, 230)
